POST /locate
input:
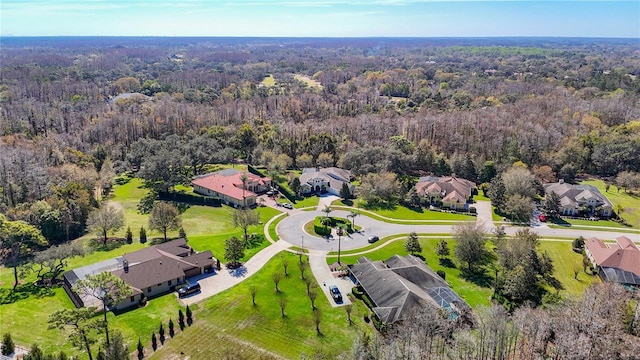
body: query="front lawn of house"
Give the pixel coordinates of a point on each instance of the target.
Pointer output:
(403, 215)
(629, 202)
(229, 321)
(473, 294)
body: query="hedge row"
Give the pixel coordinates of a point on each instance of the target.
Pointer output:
(189, 199)
(283, 190)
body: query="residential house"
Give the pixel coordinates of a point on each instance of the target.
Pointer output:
(401, 285)
(148, 272)
(580, 199)
(227, 185)
(454, 193)
(619, 262)
(323, 180)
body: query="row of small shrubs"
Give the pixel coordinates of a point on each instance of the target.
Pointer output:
(183, 321)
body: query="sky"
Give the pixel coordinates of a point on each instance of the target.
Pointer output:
(320, 18)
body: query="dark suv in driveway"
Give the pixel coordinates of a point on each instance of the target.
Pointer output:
(335, 294)
(189, 288)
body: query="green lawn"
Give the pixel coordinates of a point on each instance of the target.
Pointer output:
(309, 201)
(229, 321)
(560, 223)
(396, 237)
(473, 294)
(629, 202)
(565, 260)
(26, 320)
(404, 215)
(206, 228)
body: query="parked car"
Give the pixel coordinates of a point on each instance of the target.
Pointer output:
(287, 206)
(373, 239)
(542, 218)
(189, 288)
(335, 294)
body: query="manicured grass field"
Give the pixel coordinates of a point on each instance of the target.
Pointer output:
(473, 294)
(309, 201)
(229, 321)
(565, 260)
(404, 215)
(384, 240)
(565, 222)
(629, 202)
(206, 228)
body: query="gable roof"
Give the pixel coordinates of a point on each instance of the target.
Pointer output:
(624, 255)
(149, 266)
(228, 182)
(447, 185)
(400, 284)
(571, 195)
(327, 174)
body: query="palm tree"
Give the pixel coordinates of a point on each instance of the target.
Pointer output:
(327, 210)
(353, 215)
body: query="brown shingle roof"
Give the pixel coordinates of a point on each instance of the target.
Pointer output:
(448, 184)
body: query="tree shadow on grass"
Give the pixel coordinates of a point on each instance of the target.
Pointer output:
(478, 276)
(554, 282)
(111, 244)
(446, 262)
(560, 222)
(24, 291)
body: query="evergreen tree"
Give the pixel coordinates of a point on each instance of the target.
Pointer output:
(35, 353)
(129, 235)
(412, 244)
(442, 249)
(189, 316)
(181, 319)
(143, 235)
(181, 233)
(154, 342)
(8, 347)
(140, 350)
(172, 330)
(497, 193)
(345, 192)
(161, 333)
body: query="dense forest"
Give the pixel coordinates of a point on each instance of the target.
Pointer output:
(77, 110)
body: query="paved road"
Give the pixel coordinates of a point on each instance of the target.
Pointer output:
(291, 232)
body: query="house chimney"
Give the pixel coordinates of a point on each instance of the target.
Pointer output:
(125, 263)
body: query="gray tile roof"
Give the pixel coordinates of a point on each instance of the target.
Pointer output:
(399, 284)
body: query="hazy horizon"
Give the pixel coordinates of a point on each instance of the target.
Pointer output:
(321, 18)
